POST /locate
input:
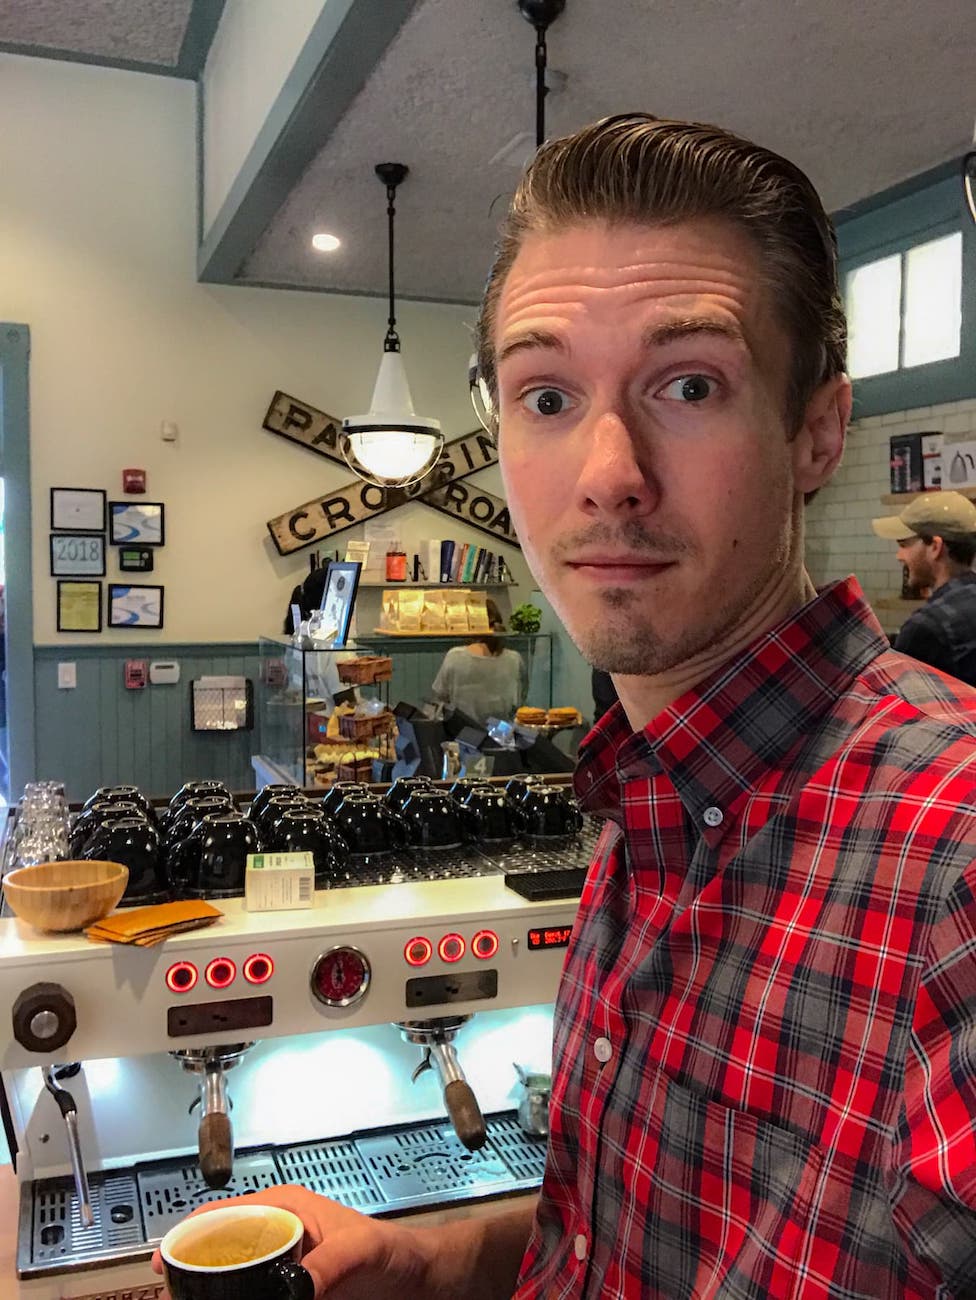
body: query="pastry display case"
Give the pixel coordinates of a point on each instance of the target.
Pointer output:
(324, 715)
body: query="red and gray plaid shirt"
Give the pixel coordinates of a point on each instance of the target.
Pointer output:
(765, 1044)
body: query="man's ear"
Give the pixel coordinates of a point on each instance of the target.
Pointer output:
(819, 444)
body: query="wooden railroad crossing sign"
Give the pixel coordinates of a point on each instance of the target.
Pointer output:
(353, 503)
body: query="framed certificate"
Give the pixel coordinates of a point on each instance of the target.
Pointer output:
(79, 606)
(136, 523)
(78, 510)
(77, 555)
(135, 606)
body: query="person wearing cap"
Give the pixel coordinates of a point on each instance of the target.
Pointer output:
(936, 536)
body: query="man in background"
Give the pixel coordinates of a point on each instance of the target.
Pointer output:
(936, 536)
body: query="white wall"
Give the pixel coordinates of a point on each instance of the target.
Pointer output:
(840, 539)
(97, 249)
(253, 52)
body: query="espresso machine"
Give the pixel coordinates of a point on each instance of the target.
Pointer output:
(362, 1047)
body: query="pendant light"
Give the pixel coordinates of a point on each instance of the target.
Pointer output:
(391, 446)
(540, 13)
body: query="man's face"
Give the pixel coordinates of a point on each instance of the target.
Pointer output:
(641, 379)
(915, 555)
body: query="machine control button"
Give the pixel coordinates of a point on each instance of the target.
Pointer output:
(52, 1009)
(340, 976)
(418, 951)
(44, 1024)
(220, 973)
(603, 1050)
(182, 977)
(258, 968)
(451, 948)
(485, 944)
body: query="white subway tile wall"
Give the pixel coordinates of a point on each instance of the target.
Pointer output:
(839, 538)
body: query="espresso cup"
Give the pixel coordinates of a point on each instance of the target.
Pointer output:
(488, 815)
(217, 859)
(547, 813)
(264, 794)
(402, 789)
(98, 814)
(433, 820)
(308, 830)
(134, 842)
(237, 1252)
(117, 793)
(333, 797)
(367, 826)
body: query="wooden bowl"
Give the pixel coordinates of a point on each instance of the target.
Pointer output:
(65, 896)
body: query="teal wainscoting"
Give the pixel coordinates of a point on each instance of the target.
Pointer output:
(99, 733)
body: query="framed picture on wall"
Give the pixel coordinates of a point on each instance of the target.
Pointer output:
(134, 606)
(136, 523)
(339, 597)
(78, 510)
(79, 606)
(77, 555)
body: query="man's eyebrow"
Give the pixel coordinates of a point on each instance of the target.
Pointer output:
(655, 336)
(676, 330)
(530, 339)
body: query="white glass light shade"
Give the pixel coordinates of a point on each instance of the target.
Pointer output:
(391, 445)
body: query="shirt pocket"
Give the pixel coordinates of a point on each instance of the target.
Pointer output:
(717, 1201)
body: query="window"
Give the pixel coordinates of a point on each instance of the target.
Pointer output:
(906, 310)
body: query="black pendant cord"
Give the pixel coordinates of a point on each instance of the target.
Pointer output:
(541, 89)
(392, 341)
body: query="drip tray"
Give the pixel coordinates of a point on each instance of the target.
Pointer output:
(387, 1172)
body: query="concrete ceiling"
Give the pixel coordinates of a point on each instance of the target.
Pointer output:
(862, 96)
(164, 36)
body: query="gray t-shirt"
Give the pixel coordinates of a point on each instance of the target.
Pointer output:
(483, 686)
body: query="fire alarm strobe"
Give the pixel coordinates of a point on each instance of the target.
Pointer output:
(133, 480)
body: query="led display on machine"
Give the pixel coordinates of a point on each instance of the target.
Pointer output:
(556, 936)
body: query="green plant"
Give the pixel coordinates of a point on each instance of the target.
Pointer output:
(526, 618)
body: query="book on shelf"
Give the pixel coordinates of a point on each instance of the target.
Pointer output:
(447, 559)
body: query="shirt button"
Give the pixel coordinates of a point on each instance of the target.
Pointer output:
(602, 1050)
(579, 1246)
(714, 817)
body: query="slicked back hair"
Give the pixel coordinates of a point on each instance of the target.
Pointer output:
(646, 170)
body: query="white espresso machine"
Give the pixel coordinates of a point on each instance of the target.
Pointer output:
(139, 1083)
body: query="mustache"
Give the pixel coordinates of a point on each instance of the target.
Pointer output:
(630, 536)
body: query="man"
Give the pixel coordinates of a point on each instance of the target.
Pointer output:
(765, 1035)
(936, 536)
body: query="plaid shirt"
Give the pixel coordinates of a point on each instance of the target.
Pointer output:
(943, 632)
(765, 1042)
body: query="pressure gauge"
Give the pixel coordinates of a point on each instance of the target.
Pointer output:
(340, 977)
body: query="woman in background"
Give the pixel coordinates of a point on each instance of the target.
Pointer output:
(482, 678)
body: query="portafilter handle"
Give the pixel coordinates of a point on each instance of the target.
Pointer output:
(215, 1135)
(462, 1105)
(69, 1112)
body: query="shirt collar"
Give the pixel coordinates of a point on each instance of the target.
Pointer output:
(953, 584)
(718, 740)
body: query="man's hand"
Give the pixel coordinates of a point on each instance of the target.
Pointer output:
(353, 1257)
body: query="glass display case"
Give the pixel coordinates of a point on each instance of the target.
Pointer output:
(296, 713)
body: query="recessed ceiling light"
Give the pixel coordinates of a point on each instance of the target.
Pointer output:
(325, 243)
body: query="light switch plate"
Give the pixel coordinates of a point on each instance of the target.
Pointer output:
(67, 677)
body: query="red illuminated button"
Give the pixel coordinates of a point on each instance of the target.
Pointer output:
(418, 951)
(451, 948)
(485, 944)
(220, 972)
(258, 968)
(181, 977)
